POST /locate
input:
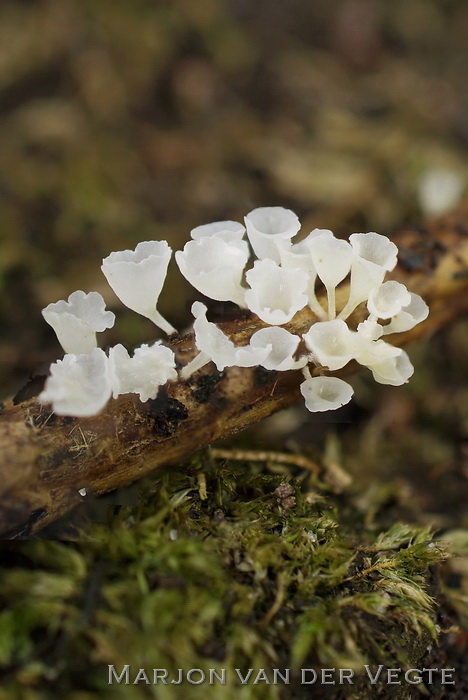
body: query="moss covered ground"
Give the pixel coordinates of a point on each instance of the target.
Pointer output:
(242, 568)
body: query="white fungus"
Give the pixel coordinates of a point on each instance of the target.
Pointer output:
(215, 267)
(325, 393)
(143, 374)
(388, 299)
(439, 189)
(281, 282)
(77, 320)
(276, 294)
(215, 346)
(283, 346)
(137, 277)
(409, 316)
(226, 230)
(78, 385)
(331, 343)
(332, 260)
(394, 370)
(374, 255)
(269, 229)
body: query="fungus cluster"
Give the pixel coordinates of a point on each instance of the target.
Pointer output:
(282, 279)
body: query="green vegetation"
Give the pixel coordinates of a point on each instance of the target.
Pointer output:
(256, 573)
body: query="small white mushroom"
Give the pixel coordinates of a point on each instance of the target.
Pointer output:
(226, 230)
(144, 373)
(325, 393)
(78, 385)
(388, 299)
(332, 259)
(374, 255)
(77, 320)
(409, 316)
(276, 294)
(137, 277)
(283, 347)
(369, 352)
(370, 329)
(269, 229)
(215, 346)
(394, 370)
(331, 343)
(215, 267)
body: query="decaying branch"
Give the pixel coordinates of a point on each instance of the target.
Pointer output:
(45, 459)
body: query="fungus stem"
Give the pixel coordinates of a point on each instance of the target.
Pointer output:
(197, 363)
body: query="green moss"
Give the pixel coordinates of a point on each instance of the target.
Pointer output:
(246, 576)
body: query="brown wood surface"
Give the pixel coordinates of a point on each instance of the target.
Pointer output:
(45, 459)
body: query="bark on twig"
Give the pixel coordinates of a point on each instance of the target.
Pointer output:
(46, 459)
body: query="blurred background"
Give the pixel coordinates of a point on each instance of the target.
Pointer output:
(126, 121)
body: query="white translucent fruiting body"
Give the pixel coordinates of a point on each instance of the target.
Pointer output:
(325, 393)
(215, 346)
(210, 340)
(78, 385)
(281, 282)
(276, 294)
(369, 352)
(283, 346)
(331, 343)
(370, 329)
(269, 229)
(299, 256)
(144, 373)
(374, 255)
(77, 320)
(215, 267)
(375, 248)
(226, 230)
(137, 277)
(409, 316)
(332, 260)
(394, 370)
(388, 299)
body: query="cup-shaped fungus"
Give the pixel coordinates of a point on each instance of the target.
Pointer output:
(216, 347)
(393, 370)
(149, 368)
(226, 230)
(370, 329)
(409, 316)
(299, 256)
(276, 294)
(325, 393)
(137, 277)
(283, 346)
(78, 385)
(215, 267)
(332, 259)
(388, 299)
(369, 352)
(77, 320)
(269, 229)
(281, 282)
(374, 255)
(331, 343)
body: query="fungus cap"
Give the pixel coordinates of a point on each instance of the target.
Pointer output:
(77, 320)
(325, 393)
